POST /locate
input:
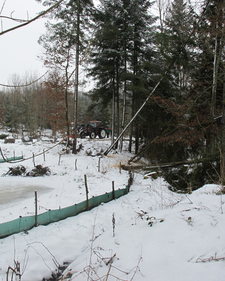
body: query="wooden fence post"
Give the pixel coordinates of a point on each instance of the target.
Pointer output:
(34, 159)
(113, 190)
(86, 187)
(59, 159)
(130, 180)
(36, 208)
(99, 159)
(113, 223)
(75, 164)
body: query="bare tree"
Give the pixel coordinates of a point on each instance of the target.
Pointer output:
(162, 6)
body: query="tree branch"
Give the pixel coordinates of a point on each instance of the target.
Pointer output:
(33, 19)
(25, 85)
(2, 7)
(14, 19)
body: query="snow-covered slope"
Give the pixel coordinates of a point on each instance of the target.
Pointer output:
(149, 234)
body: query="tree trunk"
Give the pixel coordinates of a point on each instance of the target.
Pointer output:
(222, 152)
(66, 103)
(217, 52)
(131, 126)
(124, 100)
(117, 102)
(222, 148)
(76, 81)
(113, 112)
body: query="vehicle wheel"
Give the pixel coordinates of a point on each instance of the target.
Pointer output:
(102, 134)
(82, 135)
(92, 135)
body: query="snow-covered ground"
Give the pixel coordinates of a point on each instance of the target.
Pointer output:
(149, 234)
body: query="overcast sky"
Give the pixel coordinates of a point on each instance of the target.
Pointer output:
(19, 48)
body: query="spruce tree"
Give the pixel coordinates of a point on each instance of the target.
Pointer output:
(201, 99)
(122, 38)
(173, 56)
(209, 80)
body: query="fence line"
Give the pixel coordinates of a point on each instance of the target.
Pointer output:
(28, 222)
(22, 159)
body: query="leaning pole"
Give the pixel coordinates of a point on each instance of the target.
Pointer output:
(132, 119)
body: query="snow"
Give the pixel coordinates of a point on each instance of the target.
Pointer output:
(149, 234)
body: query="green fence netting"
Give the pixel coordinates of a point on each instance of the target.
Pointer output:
(15, 226)
(2, 160)
(26, 223)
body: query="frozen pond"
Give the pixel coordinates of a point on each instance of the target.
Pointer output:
(17, 192)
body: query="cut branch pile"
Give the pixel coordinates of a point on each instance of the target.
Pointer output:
(20, 170)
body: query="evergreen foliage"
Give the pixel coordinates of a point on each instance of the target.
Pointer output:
(122, 42)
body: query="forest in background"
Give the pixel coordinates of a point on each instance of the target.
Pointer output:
(129, 53)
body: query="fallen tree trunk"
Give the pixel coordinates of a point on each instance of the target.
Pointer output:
(162, 165)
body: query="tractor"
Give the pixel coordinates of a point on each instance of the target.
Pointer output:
(92, 129)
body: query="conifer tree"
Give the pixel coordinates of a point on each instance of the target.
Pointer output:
(210, 73)
(121, 40)
(106, 57)
(175, 44)
(201, 99)
(208, 78)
